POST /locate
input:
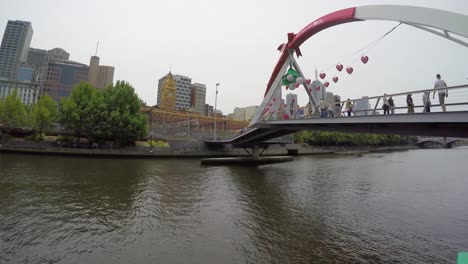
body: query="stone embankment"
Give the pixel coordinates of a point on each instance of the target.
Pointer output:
(191, 149)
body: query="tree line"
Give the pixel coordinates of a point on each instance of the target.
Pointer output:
(109, 114)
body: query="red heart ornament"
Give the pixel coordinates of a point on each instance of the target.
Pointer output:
(297, 85)
(349, 70)
(364, 59)
(317, 88)
(322, 75)
(326, 84)
(310, 90)
(308, 81)
(339, 67)
(335, 79)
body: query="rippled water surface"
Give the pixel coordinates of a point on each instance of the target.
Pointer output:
(399, 207)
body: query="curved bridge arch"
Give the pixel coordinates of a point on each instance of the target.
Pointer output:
(427, 19)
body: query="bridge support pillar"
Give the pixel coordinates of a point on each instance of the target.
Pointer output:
(255, 152)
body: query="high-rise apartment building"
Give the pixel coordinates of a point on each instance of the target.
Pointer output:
(14, 48)
(183, 91)
(28, 92)
(198, 97)
(59, 78)
(167, 92)
(100, 76)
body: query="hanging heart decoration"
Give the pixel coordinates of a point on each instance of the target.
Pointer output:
(326, 84)
(317, 88)
(322, 75)
(307, 81)
(335, 79)
(364, 59)
(339, 67)
(349, 70)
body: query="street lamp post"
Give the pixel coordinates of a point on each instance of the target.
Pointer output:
(151, 141)
(216, 101)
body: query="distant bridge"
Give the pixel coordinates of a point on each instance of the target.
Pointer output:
(446, 142)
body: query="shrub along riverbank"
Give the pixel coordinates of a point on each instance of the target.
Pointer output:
(315, 138)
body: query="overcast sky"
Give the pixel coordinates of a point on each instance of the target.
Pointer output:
(234, 43)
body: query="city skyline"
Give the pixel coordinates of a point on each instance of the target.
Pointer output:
(240, 54)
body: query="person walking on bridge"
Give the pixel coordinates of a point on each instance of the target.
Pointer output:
(409, 103)
(385, 105)
(349, 107)
(391, 105)
(439, 83)
(323, 108)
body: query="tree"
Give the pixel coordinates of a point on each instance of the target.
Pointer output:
(12, 112)
(44, 113)
(77, 109)
(125, 121)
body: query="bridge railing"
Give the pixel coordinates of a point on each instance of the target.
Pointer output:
(457, 100)
(424, 101)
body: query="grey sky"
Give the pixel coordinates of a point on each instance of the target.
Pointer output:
(234, 43)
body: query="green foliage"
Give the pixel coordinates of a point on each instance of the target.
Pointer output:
(76, 109)
(36, 137)
(44, 113)
(158, 144)
(65, 140)
(349, 139)
(125, 121)
(112, 113)
(12, 112)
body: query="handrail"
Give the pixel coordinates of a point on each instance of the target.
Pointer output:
(409, 92)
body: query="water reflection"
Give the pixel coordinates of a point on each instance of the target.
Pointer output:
(402, 207)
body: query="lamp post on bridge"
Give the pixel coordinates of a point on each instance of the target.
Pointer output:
(216, 101)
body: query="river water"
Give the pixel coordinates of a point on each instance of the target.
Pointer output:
(395, 207)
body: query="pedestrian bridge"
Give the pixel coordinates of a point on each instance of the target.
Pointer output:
(413, 113)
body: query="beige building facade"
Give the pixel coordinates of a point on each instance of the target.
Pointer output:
(244, 113)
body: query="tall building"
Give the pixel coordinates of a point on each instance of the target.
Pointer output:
(319, 91)
(58, 54)
(208, 110)
(27, 91)
(100, 76)
(25, 73)
(38, 59)
(291, 105)
(361, 105)
(59, 78)
(183, 86)
(14, 48)
(167, 92)
(198, 97)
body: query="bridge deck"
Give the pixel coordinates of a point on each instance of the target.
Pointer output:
(443, 124)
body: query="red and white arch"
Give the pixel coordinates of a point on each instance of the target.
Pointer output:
(442, 23)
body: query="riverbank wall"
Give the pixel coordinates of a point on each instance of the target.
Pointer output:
(189, 150)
